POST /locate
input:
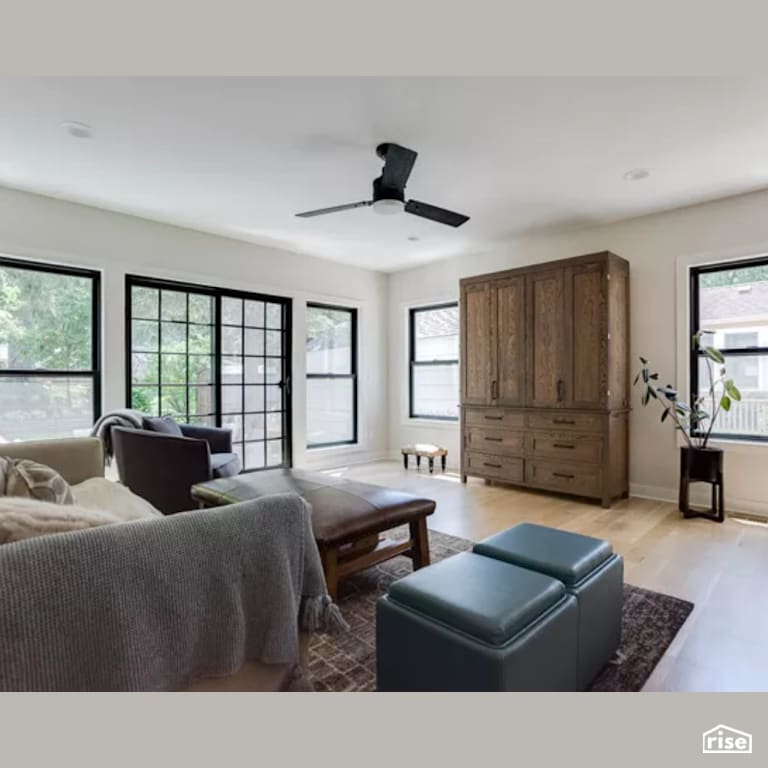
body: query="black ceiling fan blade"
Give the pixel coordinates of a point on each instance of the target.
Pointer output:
(334, 209)
(398, 164)
(441, 215)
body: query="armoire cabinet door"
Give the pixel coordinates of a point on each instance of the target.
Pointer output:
(587, 336)
(476, 332)
(545, 307)
(509, 341)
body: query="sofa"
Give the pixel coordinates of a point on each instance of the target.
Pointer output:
(78, 460)
(162, 466)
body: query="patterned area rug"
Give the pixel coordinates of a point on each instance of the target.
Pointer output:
(347, 662)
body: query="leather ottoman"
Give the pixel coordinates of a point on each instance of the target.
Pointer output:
(590, 571)
(347, 516)
(472, 623)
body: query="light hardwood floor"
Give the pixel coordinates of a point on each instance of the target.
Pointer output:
(722, 569)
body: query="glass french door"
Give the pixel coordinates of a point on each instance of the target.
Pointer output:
(217, 357)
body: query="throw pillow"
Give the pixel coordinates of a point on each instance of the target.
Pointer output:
(166, 425)
(22, 518)
(24, 477)
(102, 494)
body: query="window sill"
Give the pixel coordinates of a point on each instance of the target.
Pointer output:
(423, 421)
(333, 447)
(736, 445)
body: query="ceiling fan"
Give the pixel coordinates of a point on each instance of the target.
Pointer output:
(389, 191)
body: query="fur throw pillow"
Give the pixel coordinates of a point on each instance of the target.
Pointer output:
(22, 518)
(99, 493)
(27, 478)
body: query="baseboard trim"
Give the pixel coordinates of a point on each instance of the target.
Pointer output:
(699, 496)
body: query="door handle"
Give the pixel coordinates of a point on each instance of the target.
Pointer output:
(494, 390)
(563, 475)
(495, 439)
(493, 418)
(560, 390)
(494, 466)
(563, 421)
(563, 445)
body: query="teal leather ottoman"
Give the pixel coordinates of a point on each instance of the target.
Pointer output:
(590, 571)
(472, 623)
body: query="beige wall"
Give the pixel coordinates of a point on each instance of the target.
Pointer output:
(659, 248)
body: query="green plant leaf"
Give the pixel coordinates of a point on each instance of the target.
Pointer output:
(725, 403)
(637, 378)
(715, 354)
(664, 415)
(646, 375)
(654, 376)
(645, 398)
(732, 389)
(652, 393)
(643, 361)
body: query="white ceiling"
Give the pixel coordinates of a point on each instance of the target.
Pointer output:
(239, 156)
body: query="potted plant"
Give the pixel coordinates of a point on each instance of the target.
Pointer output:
(698, 461)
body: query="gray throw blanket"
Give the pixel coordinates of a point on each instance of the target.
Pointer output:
(150, 605)
(125, 417)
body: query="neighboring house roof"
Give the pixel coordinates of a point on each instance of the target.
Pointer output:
(439, 322)
(728, 302)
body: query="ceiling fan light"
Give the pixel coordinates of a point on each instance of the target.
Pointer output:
(387, 207)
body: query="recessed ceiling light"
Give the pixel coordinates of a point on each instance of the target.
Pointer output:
(637, 174)
(413, 239)
(78, 130)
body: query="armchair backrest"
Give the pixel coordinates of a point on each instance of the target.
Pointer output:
(161, 468)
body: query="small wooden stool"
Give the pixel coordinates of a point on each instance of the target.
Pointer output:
(431, 452)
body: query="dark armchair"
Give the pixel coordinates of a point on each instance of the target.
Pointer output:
(161, 467)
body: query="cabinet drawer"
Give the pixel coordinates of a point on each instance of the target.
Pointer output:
(493, 417)
(507, 442)
(567, 478)
(573, 446)
(584, 422)
(495, 466)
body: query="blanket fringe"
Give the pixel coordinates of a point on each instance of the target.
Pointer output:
(320, 614)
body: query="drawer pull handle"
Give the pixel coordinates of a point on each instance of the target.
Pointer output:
(495, 439)
(563, 445)
(563, 421)
(494, 466)
(563, 475)
(493, 418)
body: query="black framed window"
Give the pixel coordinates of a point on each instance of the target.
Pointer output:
(331, 375)
(213, 356)
(730, 301)
(434, 362)
(50, 377)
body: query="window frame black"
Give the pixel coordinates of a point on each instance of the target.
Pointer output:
(218, 293)
(695, 355)
(353, 375)
(413, 363)
(95, 372)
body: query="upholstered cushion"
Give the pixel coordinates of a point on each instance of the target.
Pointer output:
(166, 425)
(485, 598)
(30, 479)
(102, 494)
(225, 464)
(566, 556)
(22, 518)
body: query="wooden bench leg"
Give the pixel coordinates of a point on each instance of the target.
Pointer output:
(418, 461)
(329, 558)
(405, 460)
(442, 463)
(420, 543)
(431, 465)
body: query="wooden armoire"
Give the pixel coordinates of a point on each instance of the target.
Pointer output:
(545, 376)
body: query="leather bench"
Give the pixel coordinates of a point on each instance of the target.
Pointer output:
(347, 517)
(589, 570)
(474, 623)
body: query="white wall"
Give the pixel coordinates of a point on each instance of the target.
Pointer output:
(660, 249)
(36, 227)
